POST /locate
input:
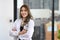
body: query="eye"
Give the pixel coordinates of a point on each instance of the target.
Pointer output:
(25, 10)
(21, 10)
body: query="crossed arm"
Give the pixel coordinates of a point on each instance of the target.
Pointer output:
(30, 29)
(20, 33)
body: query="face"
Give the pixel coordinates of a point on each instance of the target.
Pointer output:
(24, 12)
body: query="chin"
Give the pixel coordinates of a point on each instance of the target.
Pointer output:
(24, 17)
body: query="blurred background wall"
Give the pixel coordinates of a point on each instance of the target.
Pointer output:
(42, 13)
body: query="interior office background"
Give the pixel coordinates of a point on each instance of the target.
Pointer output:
(42, 13)
(40, 9)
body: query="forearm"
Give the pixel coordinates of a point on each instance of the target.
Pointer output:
(22, 32)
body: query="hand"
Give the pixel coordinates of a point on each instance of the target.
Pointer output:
(14, 29)
(22, 32)
(19, 33)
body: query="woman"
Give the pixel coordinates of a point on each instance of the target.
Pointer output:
(23, 28)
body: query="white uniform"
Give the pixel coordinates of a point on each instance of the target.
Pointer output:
(29, 27)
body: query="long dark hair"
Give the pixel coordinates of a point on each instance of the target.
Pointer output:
(29, 14)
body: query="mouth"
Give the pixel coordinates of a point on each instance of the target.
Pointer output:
(23, 14)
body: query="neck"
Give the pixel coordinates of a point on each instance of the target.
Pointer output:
(23, 19)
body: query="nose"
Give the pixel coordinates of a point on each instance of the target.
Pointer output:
(23, 11)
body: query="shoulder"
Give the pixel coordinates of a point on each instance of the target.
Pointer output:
(31, 21)
(17, 20)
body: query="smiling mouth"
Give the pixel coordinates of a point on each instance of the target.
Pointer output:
(24, 14)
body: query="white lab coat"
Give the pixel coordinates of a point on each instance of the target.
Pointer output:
(29, 27)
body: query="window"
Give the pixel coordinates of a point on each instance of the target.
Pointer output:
(42, 4)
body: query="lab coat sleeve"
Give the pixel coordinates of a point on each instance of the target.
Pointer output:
(30, 30)
(14, 33)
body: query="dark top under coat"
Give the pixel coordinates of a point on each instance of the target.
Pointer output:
(21, 28)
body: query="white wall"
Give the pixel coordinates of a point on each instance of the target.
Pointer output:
(40, 13)
(19, 3)
(6, 13)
